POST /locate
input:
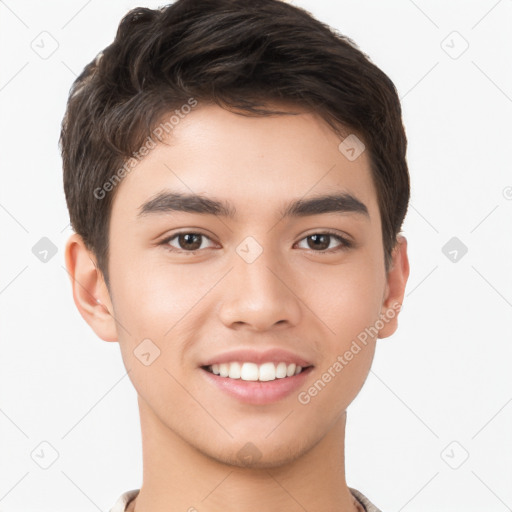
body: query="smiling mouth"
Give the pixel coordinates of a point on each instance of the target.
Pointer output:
(255, 372)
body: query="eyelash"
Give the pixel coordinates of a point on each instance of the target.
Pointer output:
(345, 244)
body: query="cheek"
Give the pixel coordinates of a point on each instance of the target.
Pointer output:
(152, 305)
(349, 306)
(347, 301)
(152, 296)
(159, 302)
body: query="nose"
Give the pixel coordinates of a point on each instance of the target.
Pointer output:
(259, 295)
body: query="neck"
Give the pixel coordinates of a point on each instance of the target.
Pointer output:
(177, 477)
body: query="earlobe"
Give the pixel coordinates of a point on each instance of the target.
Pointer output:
(90, 292)
(395, 288)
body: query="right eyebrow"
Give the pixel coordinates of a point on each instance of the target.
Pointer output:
(165, 202)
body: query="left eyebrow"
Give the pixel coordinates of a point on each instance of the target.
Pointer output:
(329, 203)
(167, 201)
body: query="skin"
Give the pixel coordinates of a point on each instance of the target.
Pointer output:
(196, 306)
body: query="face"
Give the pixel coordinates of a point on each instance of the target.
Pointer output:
(224, 285)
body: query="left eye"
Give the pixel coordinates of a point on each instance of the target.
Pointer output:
(318, 242)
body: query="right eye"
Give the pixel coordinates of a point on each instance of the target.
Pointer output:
(187, 241)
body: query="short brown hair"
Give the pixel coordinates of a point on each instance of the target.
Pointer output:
(241, 54)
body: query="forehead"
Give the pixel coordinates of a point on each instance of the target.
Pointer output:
(253, 162)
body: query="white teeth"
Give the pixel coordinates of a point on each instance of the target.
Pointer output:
(267, 372)
(253, 372)
(290, 370)
(224, 369)
(249, 371)
(281, 370)
(235, 371)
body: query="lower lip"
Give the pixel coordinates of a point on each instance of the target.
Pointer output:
(256, 392)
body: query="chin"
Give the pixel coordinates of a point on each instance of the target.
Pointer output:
(256, 456)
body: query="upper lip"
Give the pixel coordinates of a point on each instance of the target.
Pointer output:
(274, 355)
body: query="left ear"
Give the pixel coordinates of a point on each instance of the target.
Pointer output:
(395, 288)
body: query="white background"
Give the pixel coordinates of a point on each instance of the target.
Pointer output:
(443, 377)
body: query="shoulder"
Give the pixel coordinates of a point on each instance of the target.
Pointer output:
(367, 504)
(124, 500)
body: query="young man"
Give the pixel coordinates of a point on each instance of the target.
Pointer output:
(236, 177)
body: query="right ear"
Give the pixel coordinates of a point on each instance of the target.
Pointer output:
(90, 292)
